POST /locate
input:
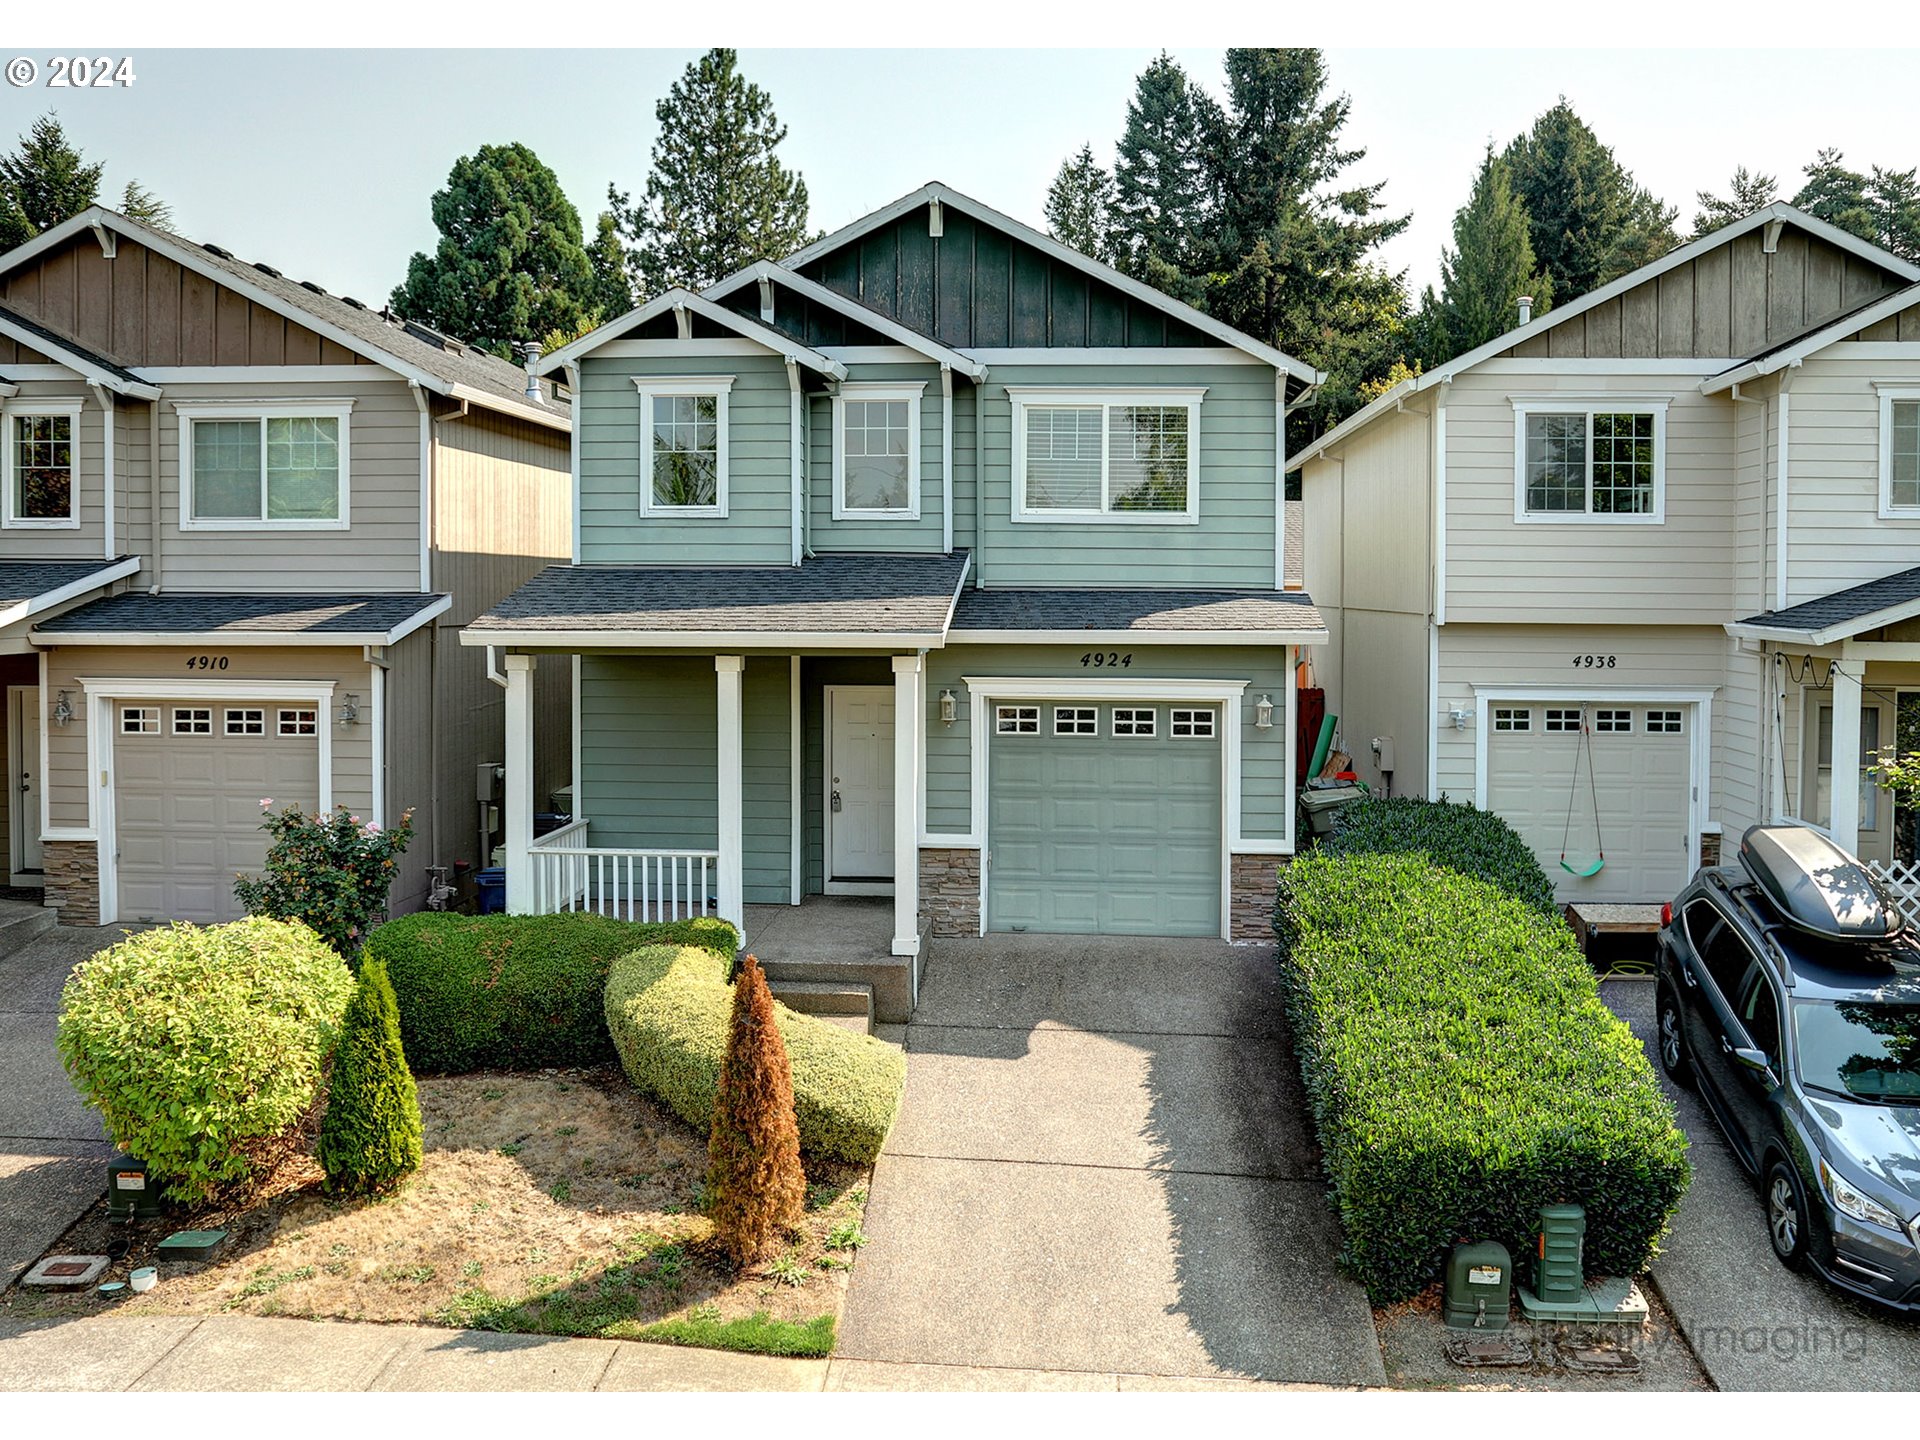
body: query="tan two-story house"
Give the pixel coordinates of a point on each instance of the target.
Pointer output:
(1634, 572)
(243, 519)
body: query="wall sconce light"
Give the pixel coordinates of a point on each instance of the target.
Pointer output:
(1263, 713)
(1459, 718)
(349, 710)
(63, 708)
(949, 707)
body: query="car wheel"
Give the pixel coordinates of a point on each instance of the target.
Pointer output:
(1787, 1221)
(1671, 1039)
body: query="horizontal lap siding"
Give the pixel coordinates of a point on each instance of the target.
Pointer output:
(89, 541)
(882, 536)
(758, 528)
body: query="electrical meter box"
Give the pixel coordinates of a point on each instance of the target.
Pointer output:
(1479, 1288)
(132, 1194)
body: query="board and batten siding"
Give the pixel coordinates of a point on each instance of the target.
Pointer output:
(827, 535)
(88, 542)
(758, 526)
(1263, 753)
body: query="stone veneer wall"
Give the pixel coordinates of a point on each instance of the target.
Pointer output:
(73, 880)
(1710, 848)
(950, 891)
(1255, 880)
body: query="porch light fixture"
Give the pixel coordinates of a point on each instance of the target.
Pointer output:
(949, 707)
(1263, 713)
(1459, 718)
(349, 710)
(63, 708)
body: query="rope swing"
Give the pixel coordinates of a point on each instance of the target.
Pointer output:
(1593, 792)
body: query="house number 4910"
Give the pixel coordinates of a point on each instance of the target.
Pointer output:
(1594, 662)
(206, 662)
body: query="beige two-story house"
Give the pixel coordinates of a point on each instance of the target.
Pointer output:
(1634, 572)
(242, 521)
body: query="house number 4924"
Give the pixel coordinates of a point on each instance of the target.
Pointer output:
(1106, 659)
(1594, 662)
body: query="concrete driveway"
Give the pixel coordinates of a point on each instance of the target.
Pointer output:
(1103, 1173)
(1752, 1323)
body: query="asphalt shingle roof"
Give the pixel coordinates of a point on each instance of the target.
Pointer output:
(56, 343)
(830, 594)
(1143, 610)
(1843, 606)
(169, 614)
(22, 580)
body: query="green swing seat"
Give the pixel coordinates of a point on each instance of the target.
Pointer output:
(1573, 791)
(1589, 872)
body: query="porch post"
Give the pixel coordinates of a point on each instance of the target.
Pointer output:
(908, 722)
(728, 670)
(1845, 824)
(519, 764)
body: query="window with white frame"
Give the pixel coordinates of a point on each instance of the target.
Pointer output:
(299, 722)
(1823, 767)
(192, 722)
(1613, 722)
(1511, 720)
(1016, 720)
(683, 451)
(1133, 723)
(1075, 720)
(876, 452)
(1899, 453)
(1563, 722)
(140, 720)
(1663, 722)
(1191, 725)
(41, 466)
(1127, 456)
(1590, 462)
(253, 467)
(246, 722)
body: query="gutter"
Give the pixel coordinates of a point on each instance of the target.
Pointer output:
(1781, 495)
(704, 640)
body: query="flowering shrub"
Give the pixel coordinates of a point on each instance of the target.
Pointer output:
(330, 871)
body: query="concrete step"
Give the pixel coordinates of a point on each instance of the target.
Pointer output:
(827, 1000)
(21, 921)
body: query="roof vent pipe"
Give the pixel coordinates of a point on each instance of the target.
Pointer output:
(1526, 309)
(533, 369)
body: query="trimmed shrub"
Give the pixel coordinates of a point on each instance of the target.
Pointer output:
(370, 1137)
(667, 1007)
(1454, 837)
(756, 1191)
(515, 992)
(1463, 1071)
(328, 871)
(195, 1043)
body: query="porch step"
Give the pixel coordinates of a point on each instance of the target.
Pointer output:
(828, 1000)
(21, 921)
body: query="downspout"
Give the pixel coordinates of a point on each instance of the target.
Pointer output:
(426, 484)
(806, 509)
(158, 527)
(980, 482)
(796, 439)
(105, 397)
(1781, 493)
(1439, 583)
(946, 459)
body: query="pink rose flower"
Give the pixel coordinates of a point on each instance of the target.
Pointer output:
(266, 804)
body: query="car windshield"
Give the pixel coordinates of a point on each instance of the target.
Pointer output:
(1861, 1048)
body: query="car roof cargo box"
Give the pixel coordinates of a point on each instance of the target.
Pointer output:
(1816, 886)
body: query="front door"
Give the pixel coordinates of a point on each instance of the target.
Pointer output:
(23, 765)
(859, 801)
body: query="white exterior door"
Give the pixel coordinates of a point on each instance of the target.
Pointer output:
(859, 800)
(23, 755)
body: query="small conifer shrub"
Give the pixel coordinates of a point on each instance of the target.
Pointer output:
(370, 1136)
(756, 1191)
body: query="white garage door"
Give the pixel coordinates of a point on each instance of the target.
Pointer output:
(189, 777)
(1635, 809)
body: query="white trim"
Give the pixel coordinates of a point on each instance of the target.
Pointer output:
(486, 400)
(1138, 637)
(47, 599)
(796, 465)
(1830, 634)
(1279, 481)
(46, 797)
(249, 639)
(1583, 366)
(73, 363)
(1782, 504)
(188, 412)
(71, 408)
(576, 776)
(1128, 355)
(782, 641)
(681, 303)
(107, 550)
(797, 835)
(909, 753)
(517, 754)
(828, 884)
(426, 485)
(703, 349)
(573, 468)
(1433, 710)
(1830, 336)
(1889, 396)
(22, 822)
(946, 458)
(658, 387)
(1524, 407)
(916, 346)
(876, 354)
(377, 742)
(1106, 398)
(882, 391)
(730, 792)
(1292, 800)
(262, 374)
(1867, 349)
(1439, 504)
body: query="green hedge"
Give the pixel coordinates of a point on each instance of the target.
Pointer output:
(1454, 837)
(1463, 1071)
(196, 1043)
(515, 992)
(667, 1008)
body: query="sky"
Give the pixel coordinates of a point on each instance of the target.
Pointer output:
(323, 163)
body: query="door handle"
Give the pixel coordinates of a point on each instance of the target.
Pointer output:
(836, 802)
(1726, 1046)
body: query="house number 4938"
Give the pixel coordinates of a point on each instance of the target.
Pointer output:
(1594, 662)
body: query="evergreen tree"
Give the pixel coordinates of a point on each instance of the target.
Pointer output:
(1490, 266)
(1895, 197)
(43, 181)
(509, 266)
(1162, 182)
(1837, 195)
(611, 293)
(1591, 222)
(1748, 191)
(756, 1191)
(139, 203)
(717, 196)
(1079, 205)
(370, 1136)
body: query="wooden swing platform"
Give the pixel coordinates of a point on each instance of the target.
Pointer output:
(1590, 921)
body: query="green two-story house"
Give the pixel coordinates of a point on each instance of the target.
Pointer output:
(935, 560)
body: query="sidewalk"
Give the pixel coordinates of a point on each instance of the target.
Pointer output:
(247, 1353)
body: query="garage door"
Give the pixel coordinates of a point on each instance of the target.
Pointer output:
(189, 777)
(1537, 777)
(1104, 819)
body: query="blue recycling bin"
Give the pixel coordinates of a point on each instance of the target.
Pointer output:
(490, 890)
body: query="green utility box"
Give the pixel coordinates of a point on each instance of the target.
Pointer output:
(132, 1194)
(1559, 1274)
(1479, 1288)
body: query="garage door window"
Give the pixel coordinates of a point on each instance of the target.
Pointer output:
(1613, 722)
(1663, 722)
(139, 720)
(1134, 724)
(1509, 721)
(193, 722)
(1075, 720)
(1563, 722)
(1016, 720)
(246, 722)
(1192, 725)
(299, 722)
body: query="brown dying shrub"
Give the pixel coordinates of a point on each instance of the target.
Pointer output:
(756, 1191)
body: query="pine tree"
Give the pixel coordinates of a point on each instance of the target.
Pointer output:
(756, 1190)
(1748, 191)
(1162, 182)
(717, 196)
(1079, 205)
(1490, 267)
(509, 266)
(1896, 206)
(139, 203)
(370, 1137)
(1837, 195)
(44, 181)
(1591, 222)
(611, 293)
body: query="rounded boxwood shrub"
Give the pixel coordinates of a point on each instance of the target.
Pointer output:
(1452, 836)
(193, 1042)
(668, 1007)
(370, 1137)
(515, 992)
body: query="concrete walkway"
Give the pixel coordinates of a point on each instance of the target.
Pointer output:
(1104, 1168)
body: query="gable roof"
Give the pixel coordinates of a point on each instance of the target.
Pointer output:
(460, 372)
(947, 196)
(681, 298)
(28, 587)
(1839, 615)
(1678, 256)
(97, 369)
(1792, 352)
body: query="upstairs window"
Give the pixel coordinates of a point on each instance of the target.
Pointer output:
(252, 467)
(1120, 456)
(1589, 463)
(1899, 454)
(41, 492)
(683, 452)
(876, 452)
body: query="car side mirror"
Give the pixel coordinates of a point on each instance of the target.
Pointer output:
(1754, 1060)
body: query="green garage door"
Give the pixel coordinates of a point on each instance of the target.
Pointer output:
(1104, 819)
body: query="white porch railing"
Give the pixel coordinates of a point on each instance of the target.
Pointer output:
(1903, 880)
(647, 885)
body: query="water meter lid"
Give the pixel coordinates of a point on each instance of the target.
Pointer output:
(1816, 886)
